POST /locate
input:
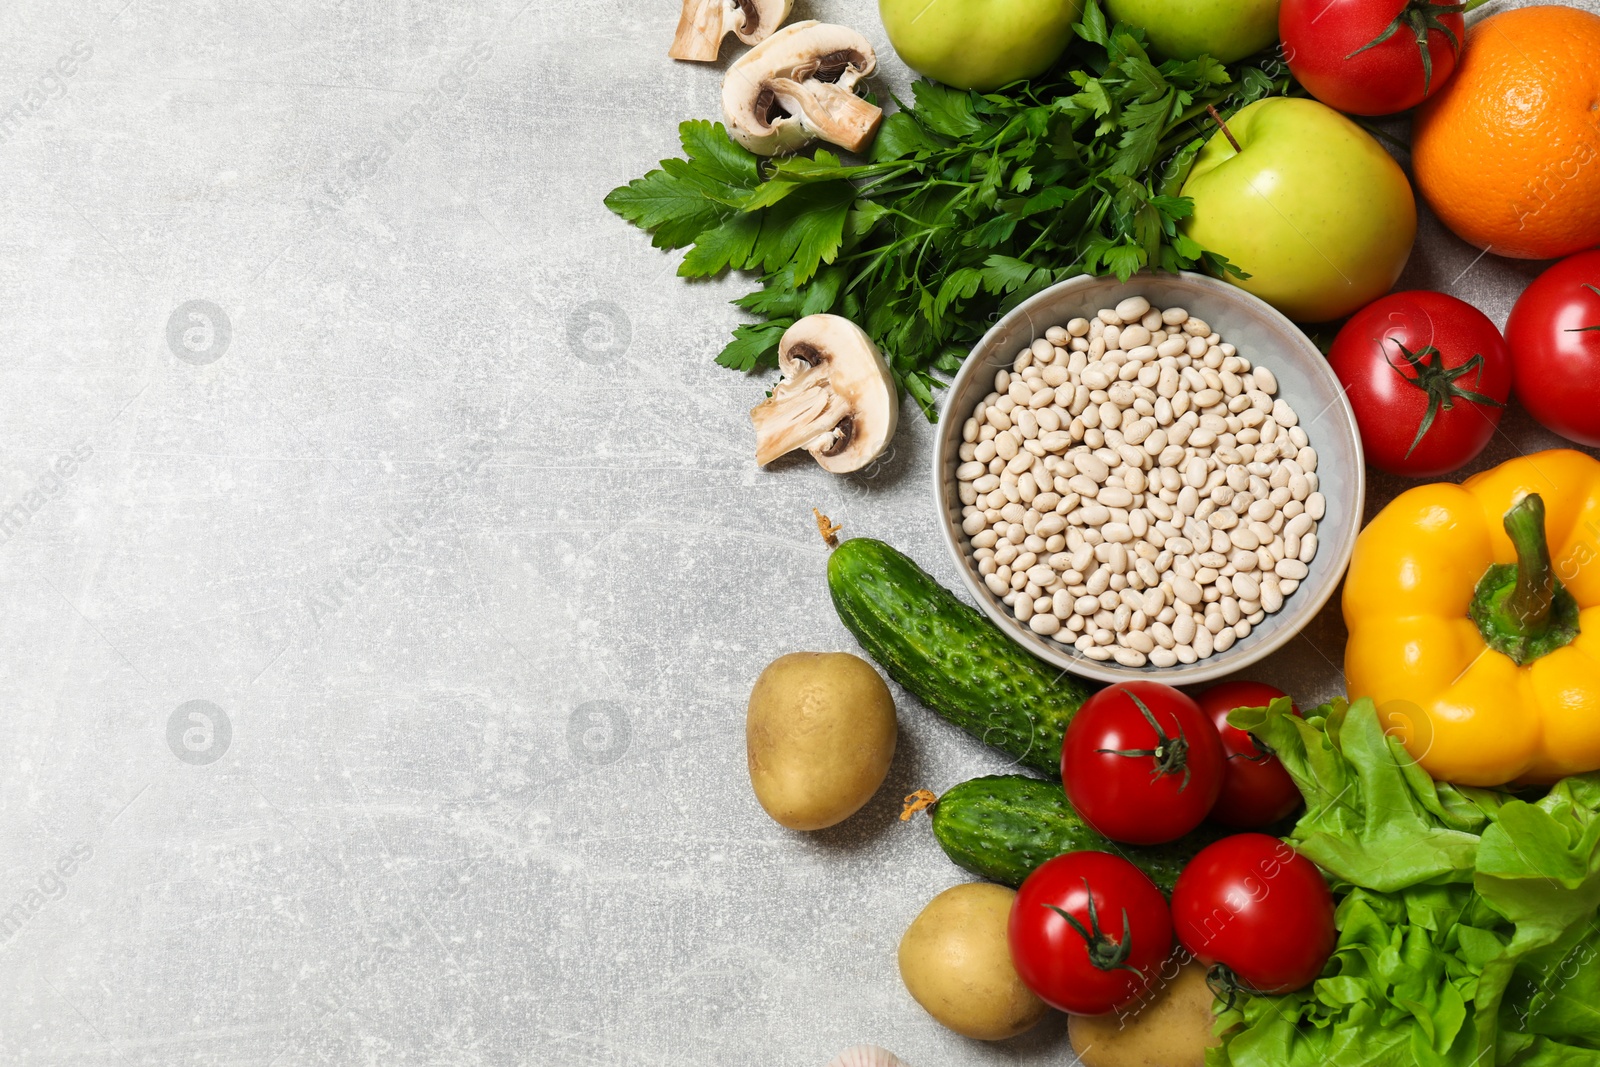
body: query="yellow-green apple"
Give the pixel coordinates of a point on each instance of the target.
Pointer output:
(979, 44)
(1318, 214)
(1183, 29)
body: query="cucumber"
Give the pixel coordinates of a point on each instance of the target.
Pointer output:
(950, 656)
(1005, 826)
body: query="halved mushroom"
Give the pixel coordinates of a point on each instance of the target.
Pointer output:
(836, 399)
(799, 84)
(704, 23)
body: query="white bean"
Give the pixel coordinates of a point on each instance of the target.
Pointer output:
(1116, 497)
(1132, 309)
(1092, 465)
(1067, 526)
(1291, 569)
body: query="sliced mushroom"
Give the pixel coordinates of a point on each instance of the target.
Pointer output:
(836, 399)
(704, 23)
(798, 85)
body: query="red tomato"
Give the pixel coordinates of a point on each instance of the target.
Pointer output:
(1255, 906)
(1256, 790)
(1088, 932)
(1554, 333)
(1362, 56)
(1428, 376)
(1141, 763)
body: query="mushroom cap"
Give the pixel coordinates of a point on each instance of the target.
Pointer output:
(764, 90)
(837, 397)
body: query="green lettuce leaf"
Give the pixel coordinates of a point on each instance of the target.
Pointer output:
(1373, 818)
(1467, 917)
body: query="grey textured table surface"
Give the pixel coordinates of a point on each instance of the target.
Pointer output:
(437, 503)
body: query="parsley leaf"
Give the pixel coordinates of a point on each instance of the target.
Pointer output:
(968, 203)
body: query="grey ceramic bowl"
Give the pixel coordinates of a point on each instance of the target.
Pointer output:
(1264, 337)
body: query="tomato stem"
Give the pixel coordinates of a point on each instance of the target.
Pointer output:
(1224, 984)
(1440, 383)
(1104, 953)
(1264, 751)
(1421, 17)
(1171, 753)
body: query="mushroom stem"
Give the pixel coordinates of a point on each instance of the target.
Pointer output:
(701, 28)
(799, 414)
(832, 112)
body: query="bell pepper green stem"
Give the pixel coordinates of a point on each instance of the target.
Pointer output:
(1533, 598)
(1521, 608)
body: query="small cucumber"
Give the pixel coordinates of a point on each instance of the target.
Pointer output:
(950, 656)
(1004, 827)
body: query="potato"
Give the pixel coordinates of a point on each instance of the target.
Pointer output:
(954, 959)
(819, 736)
(1172, 1028)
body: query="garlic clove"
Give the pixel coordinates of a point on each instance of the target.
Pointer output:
(867, 1056)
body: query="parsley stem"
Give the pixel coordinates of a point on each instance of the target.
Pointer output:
(974, 202)
(1037, 241)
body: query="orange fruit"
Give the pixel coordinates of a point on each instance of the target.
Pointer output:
(1508, 152)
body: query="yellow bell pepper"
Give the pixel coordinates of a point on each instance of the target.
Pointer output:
(1474, 618)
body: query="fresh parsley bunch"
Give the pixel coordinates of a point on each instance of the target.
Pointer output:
(969, 203)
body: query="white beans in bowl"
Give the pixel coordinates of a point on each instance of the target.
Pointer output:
(1134, 488)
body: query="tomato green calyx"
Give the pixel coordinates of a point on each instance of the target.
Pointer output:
(1104, 953)
(1586, 329)
(1264, 751)
(1440, 383)
(1171, 753)
(1224, 984)
(1421, 17)
(1521, 608)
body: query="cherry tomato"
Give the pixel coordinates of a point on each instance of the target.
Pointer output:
(1142, 763)
(1257, 912)
(1428, 377)
(1089, 932)
(1554, 333)
(1362, 56)
(1256, 790)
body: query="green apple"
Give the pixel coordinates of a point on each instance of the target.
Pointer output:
(980, 44)
(1183, 29)
(1319, 215)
